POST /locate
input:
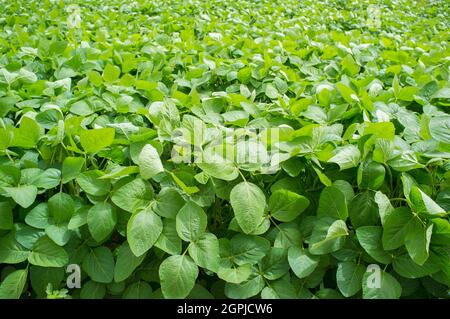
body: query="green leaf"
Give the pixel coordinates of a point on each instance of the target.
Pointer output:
(235, 274)
(24, 195)
(71, 168)
(42, 276)
(169, 240)
(6, 216)
(46, 253)
(191, 222)
(408, 268)
(271, 91)
(133, 196)
(101, 220)
(349, 277)
(168, 202)
(384, 206)
(93, 290)
(363, 210)
(328, 236)
(205, 252)
(27, 135)
(249, 203)
(395, 228)
(61, 207)
(143, 230)
(91, 183)
(346, 156)
(60, 234)
(440, 128)
(138, 290)
(12, 286)
(369, 238)
(245, 290)
(178, 274)
(111, 73)
(389, 287)
(332, 203)
(248, 249)
(99, 265)
(275, 264)
(11, 252)
(347, 93)
(95, 140)
(417, 240)
(126, 263)
(384, 130)
(149, 162)
(371, 175)
(302, 262)
(285, 205)
(424, 204)
(222, 170)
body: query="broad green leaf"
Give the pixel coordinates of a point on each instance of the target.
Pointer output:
(384, 130)
(11, 252)
(395, 228)
(235, 274)
(285, 205)
(369, 238)
(440, 128)
(384, 206)
(275, 264)
(71, 168)
(46, 253)
(111, 73)
(59, 234)
(168, 203)
(99, 265)
(248, 249)
(42, 276)
(417, 240)
(246, 289)
(328, 236)
(27, 135)
(371, 175)
(138, 290)
(424, 204)
(95, 140)
(61, 207)
(363, 210)
(205, 252)
(149, 162)
(101, 220)
(178, 274)
(24, 195)
(143, 230)
(349, 278)
(346, 156)
(332, 203)
(388, 288)
(222, 170)
(133, 196)
(191, 222)
(93, 290)
(249, 203)
(126, 263)
(169, 240)
(408, 268)
(91, 183)
(12, 286)
(302, 262)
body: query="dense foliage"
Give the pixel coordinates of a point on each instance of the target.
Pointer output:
(95, 97)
